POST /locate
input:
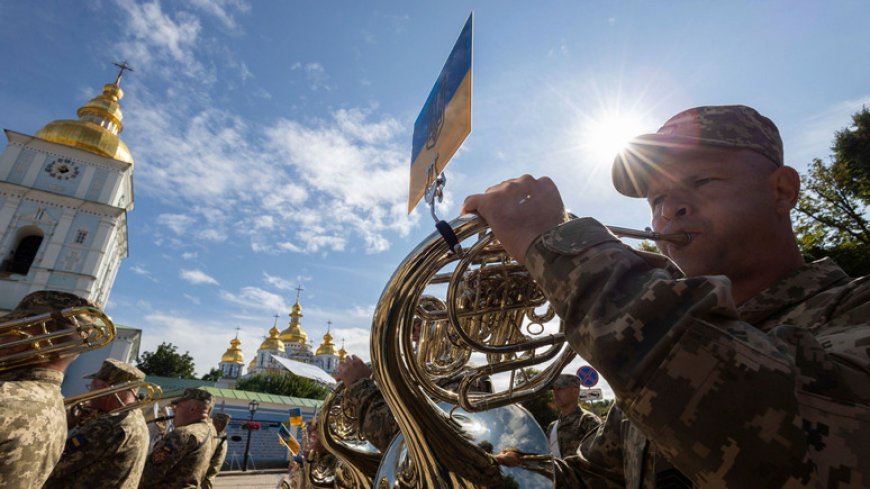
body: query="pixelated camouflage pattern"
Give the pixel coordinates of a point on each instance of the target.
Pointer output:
(181, 458)
(217, 461)
(572, 428)
(115, 372)
(567, 380)
(107, 452)
(193, 394)
(728, 126)
(32, 426)
(774, 393)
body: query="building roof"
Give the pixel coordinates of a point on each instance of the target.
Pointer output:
(173, 387)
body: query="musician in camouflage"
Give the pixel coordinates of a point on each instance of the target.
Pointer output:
(745, 367)
(32, 416)
(181, 458)
(220, 422)
(574, 422)
(105, 450)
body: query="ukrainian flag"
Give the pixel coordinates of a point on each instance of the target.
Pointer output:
(288, 440)
(296, 417)
(445, 120)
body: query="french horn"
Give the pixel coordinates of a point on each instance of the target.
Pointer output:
(479, 305)
(358, 459)
(48, 336)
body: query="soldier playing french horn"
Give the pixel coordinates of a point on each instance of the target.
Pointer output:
(748, 369)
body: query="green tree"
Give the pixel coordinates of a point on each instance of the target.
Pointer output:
(600, 408)
(214, 374)
(284, 384)
(165, 361)
(832, 210)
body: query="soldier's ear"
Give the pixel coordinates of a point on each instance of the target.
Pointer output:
(785, 183)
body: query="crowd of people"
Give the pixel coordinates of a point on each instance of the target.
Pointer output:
(734, 363)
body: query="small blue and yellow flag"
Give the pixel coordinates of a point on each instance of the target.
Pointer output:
(295, 417)
(445, 120)
(288, 440)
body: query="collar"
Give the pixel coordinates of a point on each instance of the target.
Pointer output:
(795, 287)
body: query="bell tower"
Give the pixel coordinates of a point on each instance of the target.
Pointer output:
(64, 198)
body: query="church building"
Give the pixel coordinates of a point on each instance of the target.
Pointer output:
(64, 198)
(292, 343)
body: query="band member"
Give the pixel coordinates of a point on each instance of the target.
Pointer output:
(220, 421)
(105, 449)
(181, 458)
(574, 422)
(32, 416)
(748, 369)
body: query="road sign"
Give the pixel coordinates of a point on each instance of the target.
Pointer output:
(591, 395)
(588, 376)
(445, 120)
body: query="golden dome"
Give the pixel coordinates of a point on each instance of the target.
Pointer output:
(97, 129)
(342, 353)
(327, 347)
(253, 364)
(294, 332)
(273, 342)
(234, 353)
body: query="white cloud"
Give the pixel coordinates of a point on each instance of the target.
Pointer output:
(315, 74)
(154, 35)
(222, 10)
(189, 255)
(141, 270)
(257, 299)
(178, 223)
(197, 277)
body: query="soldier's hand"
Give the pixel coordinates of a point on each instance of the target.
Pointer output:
(518, 211)
(508, 458)
(351, 370)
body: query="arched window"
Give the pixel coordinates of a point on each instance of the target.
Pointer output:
(21, 257)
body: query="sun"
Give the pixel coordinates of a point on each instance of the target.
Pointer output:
(602, 137)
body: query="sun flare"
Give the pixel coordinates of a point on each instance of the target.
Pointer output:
(603, 137)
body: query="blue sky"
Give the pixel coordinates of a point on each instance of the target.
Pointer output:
(272, 139)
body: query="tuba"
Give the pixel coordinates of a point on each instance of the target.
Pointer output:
(151, 393)
(478, 305)
(358, 460)
(48, 336)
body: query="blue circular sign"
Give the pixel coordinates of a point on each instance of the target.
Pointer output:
(588, 376)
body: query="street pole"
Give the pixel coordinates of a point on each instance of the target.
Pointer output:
(252, 407)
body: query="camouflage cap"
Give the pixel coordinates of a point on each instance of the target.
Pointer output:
(728, 126)
(115, 372)
(195, 395)
(567, 380)
(44, 301)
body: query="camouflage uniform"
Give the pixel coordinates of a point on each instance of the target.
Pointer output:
(572, 428)
(218, 457)
(32, 426)
(32, 416)
(109, 450)
(181, 458)
(377, 424)
(773, 393)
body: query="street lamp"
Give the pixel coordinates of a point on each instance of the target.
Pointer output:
(252, 407)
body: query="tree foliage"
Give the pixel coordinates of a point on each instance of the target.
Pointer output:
(214, 375)
(541, 407)
(165, 361)
(284, 384)
(832, 210)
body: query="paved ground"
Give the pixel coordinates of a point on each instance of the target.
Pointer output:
(248, 480)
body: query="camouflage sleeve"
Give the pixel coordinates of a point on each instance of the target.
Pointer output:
(86, 445)
(678, 358)
(377, 424)
(167, 452)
